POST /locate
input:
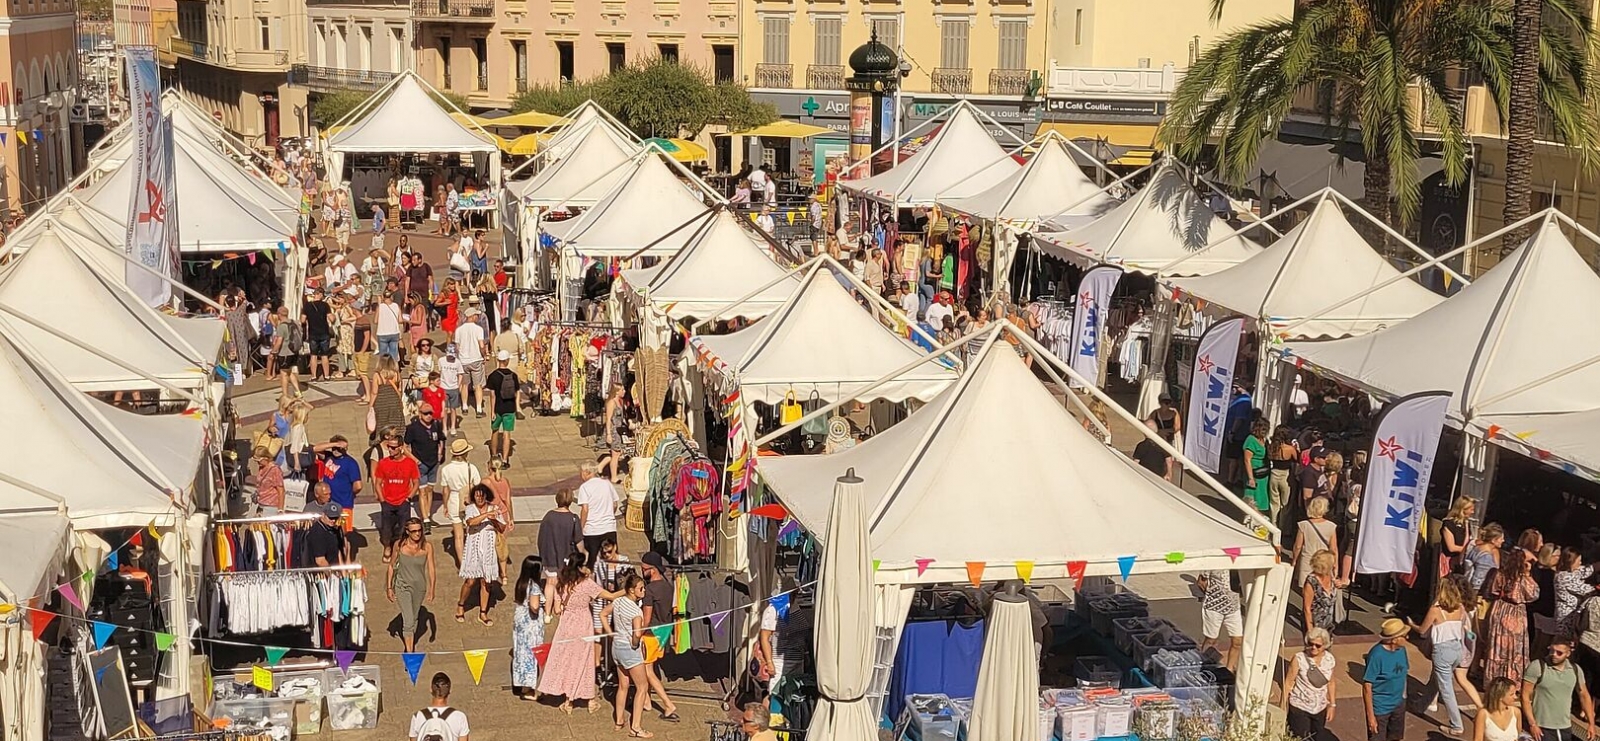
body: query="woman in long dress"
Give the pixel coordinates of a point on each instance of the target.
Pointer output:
(480, 566)
(527, 629)
(569, 670)
(1506, 628)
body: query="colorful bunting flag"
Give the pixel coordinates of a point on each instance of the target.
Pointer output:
(1491, 432)
(1125, 565)
(102, 633)
(1075, 570)
(1025, 571)
(154, 533)
(1523, 436)
(22, 136)
(781, 604)
(111, 561)
(137, 539)
(770, 511)
(922, 565)
(1233, 552)
(344, 659)
(40, 621)
(540, 653)
(1173, 557)
(875, 564)
(275, 654)
(475, 661)
(261, 676)
(661, 633)
(164, 641)
(413, 662)
(975, 573)
(71, 595)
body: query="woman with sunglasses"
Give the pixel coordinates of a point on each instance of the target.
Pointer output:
(1310, 699)
(411, 579)
(1501, 717)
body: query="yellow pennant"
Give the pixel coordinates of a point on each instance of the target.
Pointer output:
(475, 661)
(1523, 436)
(1025, 571)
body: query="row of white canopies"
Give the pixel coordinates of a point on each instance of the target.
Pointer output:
(71, 331)
(983, 424)
(1524, 375)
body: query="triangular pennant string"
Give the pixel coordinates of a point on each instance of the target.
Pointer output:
(413, 662)
(344, 659)
(40, 621)
(164, 641)
(1025, 571)
(1075, 570)
(922, 565)
(71, 595)
(1232, 552)
(1174, 557)
(275, 654)
(102, 633)
(475, 660)
(1125, 565)
(975, 573)
(111, 561)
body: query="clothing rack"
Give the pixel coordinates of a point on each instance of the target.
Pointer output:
(286, 517)
(302, 570)
(732, 680)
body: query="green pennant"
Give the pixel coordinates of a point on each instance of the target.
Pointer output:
(275, 654)
(875, 564)
(164, 641)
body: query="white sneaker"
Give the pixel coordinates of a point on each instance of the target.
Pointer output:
(1433, 706)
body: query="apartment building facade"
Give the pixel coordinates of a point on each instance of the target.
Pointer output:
(492, 50)
(233, 59)
(40, 148)
(355, 44)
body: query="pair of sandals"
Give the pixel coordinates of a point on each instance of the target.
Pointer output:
(483, 615)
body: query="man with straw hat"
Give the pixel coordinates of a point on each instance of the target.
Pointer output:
(456, 478)
(1383, 683)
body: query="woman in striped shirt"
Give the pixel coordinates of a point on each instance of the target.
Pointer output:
(627, 628)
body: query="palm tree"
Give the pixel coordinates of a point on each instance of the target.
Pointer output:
(1529, 22)
(1366, 53)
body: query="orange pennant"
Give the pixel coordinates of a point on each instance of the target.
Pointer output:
(975, 573)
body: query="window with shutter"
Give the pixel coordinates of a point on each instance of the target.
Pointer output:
(829, 32)
(888, 31)
(953, 43)
(775, 46)
(1013, 44)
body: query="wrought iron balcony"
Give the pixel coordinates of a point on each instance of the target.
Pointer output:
(775, 75)
(957, 80)
(1009, 81)
(454, 10)
(825, 77)
(191, 49)
(329, 79)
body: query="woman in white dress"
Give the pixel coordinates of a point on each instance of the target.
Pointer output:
(1501, 717)
(480, 566)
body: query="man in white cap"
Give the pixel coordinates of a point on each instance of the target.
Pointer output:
(341, 277)
(471, 347)
(503, 383)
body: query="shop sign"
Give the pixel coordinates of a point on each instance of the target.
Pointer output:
(1210, 393)
(1107, 106)
(808, 107)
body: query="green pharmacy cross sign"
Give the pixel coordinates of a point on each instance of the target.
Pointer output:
(810, 106)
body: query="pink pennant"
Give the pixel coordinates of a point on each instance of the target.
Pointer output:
(922, 565)
(1233, 553)
(71, 595)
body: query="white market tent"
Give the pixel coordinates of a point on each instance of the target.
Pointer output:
(84, 450)
(649, 204)
(962, 159)
(407, 120)
(1316, 265)
(585, 172)
(1166, 222)
(61, 282)
(36, 539)
(1055, 493)
(819, 341)
(1051, 184)
(214, 214)
(1514, 342)
(583, 118)
(1566, 440)
(723, 263)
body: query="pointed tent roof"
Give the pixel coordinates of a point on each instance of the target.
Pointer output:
(409, 120)
(83, 450)
(585, 116)
(213, 216)
(62, 285)
(723, 263)
(1318, 263)
(1165, 222)
(820, 341)
(1050, 184)
(591, 167)
(94, 239)
(961, 160)
(36, 547)
(1053, 493)
(648, 203)
(1507, 344)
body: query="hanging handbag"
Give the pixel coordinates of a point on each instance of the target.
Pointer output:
(816, 426)
(790, 411)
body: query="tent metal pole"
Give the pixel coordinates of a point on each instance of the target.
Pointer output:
(698, 232)
(1342, 198)
(1496, 234)
(174, 282)
(1221, 192)
(874, 385)
(1103, 189)
(1234, 233)
(1200, 473)
(804, 267)
(101, 354)
(875, 297)
(370, 101)
(1072, 397)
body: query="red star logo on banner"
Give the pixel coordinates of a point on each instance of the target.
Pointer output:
(1389, 448)
(1205, 364)
(157, 210)
(1086, 299)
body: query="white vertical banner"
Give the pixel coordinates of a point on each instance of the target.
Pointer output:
(1404, 442)
(1089, 320)
(1210, 392)
(149, 241)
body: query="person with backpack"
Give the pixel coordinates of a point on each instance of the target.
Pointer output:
(439, 721)
(288, 343)
(503, 383)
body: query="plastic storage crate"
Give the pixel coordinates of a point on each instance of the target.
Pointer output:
(1165, 638)
(1080, 723)
(354, 698)
(1165, 667)
(306, 688)
(1123, 630)
(1104, 610)
(1116, 717)
(277, 712)
(1098, 671)
(933, 718)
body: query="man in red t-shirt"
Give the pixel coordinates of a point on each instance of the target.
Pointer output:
(396, 475)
